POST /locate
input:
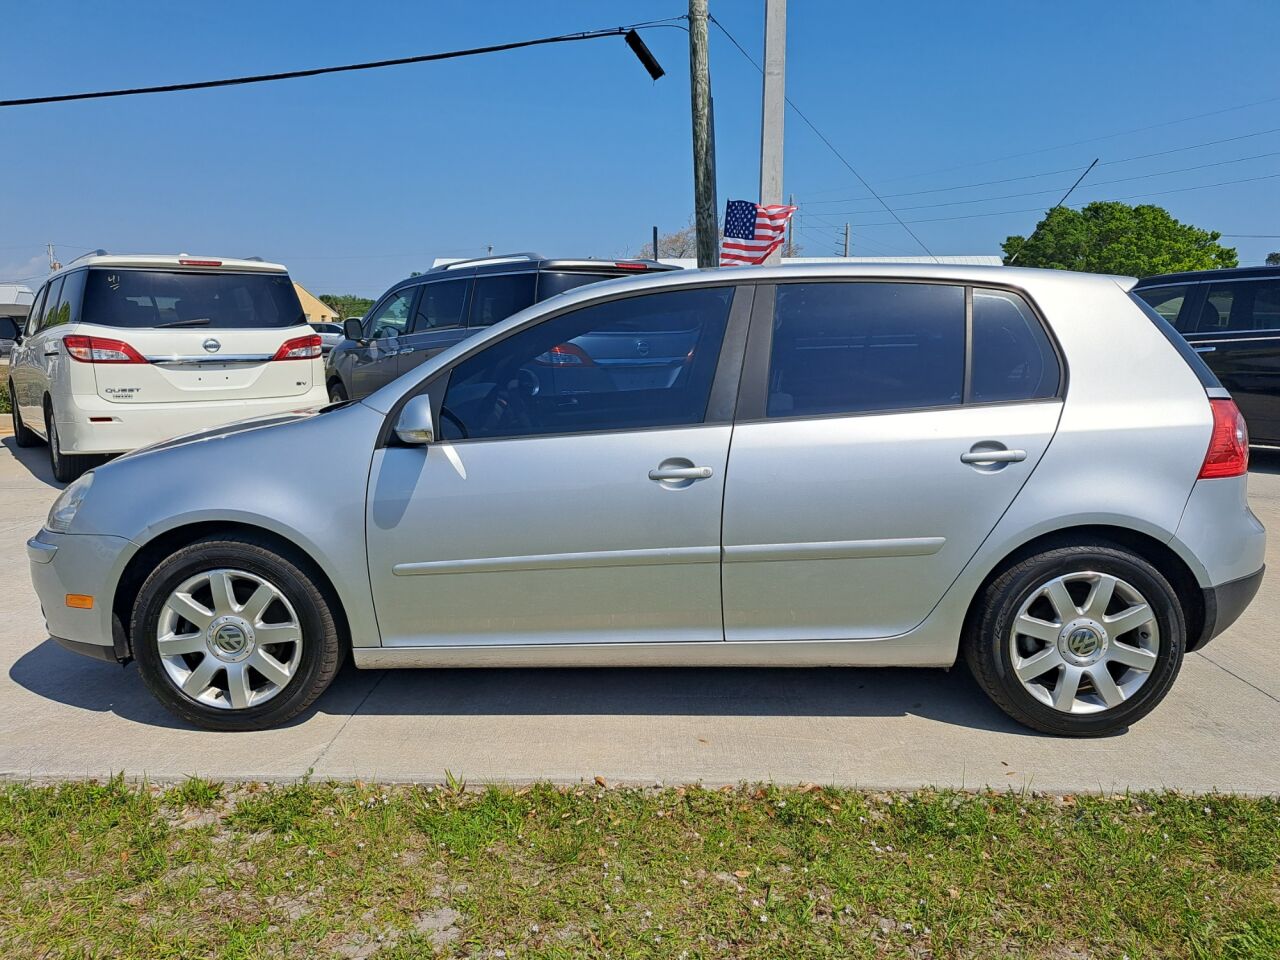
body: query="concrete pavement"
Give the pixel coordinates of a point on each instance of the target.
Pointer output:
(65, 716)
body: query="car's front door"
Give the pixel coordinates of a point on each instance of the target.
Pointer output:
(376, 362)
(21, 360)
(439, 321)
(869, 460)
(564, 501)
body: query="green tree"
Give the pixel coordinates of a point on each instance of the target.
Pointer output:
(1273, 259)
(346, 305)
(1111, 237)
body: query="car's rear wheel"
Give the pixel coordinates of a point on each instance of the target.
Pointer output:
(23, 435)
(66, 467)
(337, 392)
(231, 633)
(1078, 641)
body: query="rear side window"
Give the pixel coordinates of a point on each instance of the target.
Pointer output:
(1242, 306)
(1166, 301)
(497, 298)
(115, 297)
(1198, 366)
(68, 309)
(441, 305)
(1012, 356)
(50, 313)
(856, 347)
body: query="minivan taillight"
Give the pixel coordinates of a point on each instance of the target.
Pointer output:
(299, 348)
(1228, 454)
(100, 350)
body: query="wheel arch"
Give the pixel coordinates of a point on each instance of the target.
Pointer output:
(1159, 554)
(149, 554)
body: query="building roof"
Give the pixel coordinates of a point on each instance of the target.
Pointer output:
(315, 309)
(15, 300)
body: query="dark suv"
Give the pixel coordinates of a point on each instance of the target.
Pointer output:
(423, 315)
(1232, 319)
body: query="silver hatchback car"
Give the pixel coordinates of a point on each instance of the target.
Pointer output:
(841, 466)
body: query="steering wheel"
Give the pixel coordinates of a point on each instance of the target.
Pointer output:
(506, 405)
(447, 414)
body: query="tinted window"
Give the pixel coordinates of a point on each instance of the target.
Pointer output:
(156, 298)
(852, 347)
(1241, 306)
(326, 328)
(549, 284)
(68, 309)
(1012, 356)
(1206, 376)
(497, 298)
(391, 316)
(37, 310)
(441, 305)
(49, 316)
(644, 361)
(1166, 301)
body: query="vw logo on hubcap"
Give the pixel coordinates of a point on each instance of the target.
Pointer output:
(211, 345)
(230, 639)
(1082, 642)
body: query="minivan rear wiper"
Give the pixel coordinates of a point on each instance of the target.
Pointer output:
(194, 322)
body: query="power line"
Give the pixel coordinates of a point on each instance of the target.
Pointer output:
(1079, 179)
(830, 146)
(346, 68)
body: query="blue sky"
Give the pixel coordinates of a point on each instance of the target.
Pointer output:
(356, 180)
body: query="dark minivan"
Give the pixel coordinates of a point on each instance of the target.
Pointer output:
(425, 314)
(1232, 319)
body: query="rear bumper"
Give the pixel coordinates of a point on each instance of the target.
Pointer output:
(1223, 605)
(134, 425)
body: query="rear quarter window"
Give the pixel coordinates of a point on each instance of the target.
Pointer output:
(1012, 357)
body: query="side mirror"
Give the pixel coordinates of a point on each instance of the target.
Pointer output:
(353, 329)
(415, 426)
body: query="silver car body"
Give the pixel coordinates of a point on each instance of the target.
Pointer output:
(852, 540)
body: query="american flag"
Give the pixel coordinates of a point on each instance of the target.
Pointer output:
(752, 231)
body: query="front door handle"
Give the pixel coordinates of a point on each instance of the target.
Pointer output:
(406, 350)
(993, 456)
(681, 473)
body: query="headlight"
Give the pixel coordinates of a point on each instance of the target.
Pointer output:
(68, 502)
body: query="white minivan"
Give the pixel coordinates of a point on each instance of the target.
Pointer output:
(123, 351)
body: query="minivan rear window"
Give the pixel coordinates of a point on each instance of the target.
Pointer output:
(115, 297)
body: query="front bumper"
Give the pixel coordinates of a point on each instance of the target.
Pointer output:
(84, 564)
(1223, 605)
(134, 425)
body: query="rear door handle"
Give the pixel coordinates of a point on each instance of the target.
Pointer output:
(993, 456)
(681, 473)
(1204, 349)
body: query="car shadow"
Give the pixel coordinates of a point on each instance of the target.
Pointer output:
(34, 459)
(1264, 460)
(949, 697)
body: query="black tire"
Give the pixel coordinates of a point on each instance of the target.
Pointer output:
(65, 466)
(322, 647)
(986, 644)
(337, 392)
(23, 435)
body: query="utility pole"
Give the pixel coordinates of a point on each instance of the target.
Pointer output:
(655, 241)
(704, 173)
(790, 246)
(774, 101)
(53, 260)
(846, 239)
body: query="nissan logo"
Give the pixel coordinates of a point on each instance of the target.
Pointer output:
(212, 346)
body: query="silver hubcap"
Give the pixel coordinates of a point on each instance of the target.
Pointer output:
(1084, 642)
(229, 639)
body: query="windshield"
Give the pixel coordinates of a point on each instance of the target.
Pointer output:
(115, 297)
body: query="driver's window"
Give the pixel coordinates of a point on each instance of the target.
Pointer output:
(628, 364)
(390, 319)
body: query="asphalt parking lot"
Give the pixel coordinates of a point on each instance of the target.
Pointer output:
(65, 716)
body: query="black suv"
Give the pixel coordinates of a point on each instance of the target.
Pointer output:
(423, 315)
(1232, 319)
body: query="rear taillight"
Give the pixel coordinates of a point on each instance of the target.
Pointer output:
(299, 348)
(1228, 454)
(565, 355)
(100, 350)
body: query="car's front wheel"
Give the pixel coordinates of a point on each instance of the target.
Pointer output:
(233, 633)
(1077, 641)
(23, 435)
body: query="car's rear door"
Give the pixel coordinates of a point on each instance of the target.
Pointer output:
(1235, 326)
(563, 510)
(439, 320)
(872, 455)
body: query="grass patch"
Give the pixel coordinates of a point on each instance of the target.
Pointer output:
(352, 870)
